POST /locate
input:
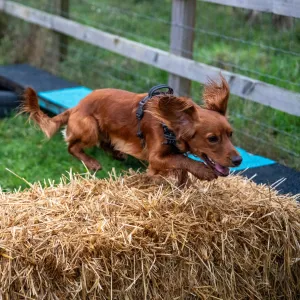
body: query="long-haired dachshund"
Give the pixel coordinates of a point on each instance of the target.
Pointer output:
(107, 118)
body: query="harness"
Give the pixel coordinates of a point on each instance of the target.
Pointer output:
(170, 137)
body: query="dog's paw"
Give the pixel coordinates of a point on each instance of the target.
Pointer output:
(184, 184)
(183, 179)
(157, 179)
(118, 155)
(93, 166)
(210, 175)
(206, 173)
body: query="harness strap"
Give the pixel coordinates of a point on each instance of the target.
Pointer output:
(169, 135)
(154, 91)
(139, 115)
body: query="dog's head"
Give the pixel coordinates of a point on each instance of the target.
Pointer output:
(205, 131)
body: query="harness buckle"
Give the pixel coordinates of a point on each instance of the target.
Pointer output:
(140, 112)
(140, 134)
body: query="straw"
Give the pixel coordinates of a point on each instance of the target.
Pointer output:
(127, 238)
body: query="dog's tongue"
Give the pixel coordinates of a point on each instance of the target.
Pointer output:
(223, 170)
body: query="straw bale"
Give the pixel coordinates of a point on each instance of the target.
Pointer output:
(127, 238)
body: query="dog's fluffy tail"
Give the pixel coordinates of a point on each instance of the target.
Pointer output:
(48, 125)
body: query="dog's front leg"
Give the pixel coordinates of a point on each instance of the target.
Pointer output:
(180, 162)
(183, 179)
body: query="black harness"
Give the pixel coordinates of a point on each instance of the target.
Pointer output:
(170, 137)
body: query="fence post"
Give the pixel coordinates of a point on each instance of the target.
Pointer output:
(59, 41)
(64, 12)
(182, 40)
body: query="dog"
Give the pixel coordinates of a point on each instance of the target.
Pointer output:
(107, 118)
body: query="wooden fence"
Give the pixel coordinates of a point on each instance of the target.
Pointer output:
(289, 8)
(182, 67)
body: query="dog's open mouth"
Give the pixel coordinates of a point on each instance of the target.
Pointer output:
(219, 169)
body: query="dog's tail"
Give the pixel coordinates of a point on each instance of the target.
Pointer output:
(48, 125)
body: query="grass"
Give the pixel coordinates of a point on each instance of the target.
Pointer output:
(222, 38)
(25, 151)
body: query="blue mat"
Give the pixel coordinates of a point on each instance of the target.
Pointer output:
(59, 100)
(66, 98)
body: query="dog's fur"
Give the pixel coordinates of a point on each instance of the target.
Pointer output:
(107, 117)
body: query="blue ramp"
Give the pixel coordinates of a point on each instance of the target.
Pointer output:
(59, 100)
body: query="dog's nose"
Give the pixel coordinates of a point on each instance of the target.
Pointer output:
(236, 160)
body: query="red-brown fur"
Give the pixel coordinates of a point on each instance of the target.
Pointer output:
(107, 118)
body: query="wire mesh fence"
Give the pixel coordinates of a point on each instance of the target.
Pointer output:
(259, 45)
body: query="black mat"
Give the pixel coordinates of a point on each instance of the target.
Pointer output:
(272, 173)
(9, 101)
(17, 77)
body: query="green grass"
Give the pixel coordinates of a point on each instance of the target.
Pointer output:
(25, 151)
(259, 129)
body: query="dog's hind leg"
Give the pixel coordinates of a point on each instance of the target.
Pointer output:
(76, 149)
(83, 132)
(109, 148)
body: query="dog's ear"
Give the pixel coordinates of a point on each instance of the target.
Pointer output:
(177, 113)
(216, 95)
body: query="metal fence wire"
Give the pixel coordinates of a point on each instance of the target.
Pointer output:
(256, 44)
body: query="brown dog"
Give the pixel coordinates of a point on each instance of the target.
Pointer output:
(107, 118)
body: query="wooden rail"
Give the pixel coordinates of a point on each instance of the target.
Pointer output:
(290, 8)
(242, 86)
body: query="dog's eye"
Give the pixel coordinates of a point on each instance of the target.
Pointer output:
(213, 139)
(230, 134)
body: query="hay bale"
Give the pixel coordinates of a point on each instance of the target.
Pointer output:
(126, 238)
